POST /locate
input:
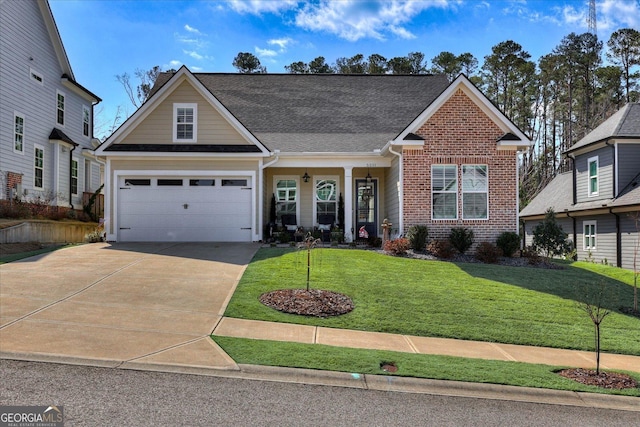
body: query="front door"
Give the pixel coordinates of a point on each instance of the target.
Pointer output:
(366, 203)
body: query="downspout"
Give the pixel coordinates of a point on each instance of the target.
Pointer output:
(575, 233)
(613, 157)
(400, 190)
(618, 239)
(73, 147)
(261, 185)
(575, 179)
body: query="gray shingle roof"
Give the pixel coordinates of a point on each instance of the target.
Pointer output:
(323, 112)
(624, 123)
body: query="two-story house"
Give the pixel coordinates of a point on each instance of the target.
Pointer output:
(46, 117)
(598, 202)
(207, 155)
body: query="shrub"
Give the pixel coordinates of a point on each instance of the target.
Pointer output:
(397, 246)
(549, 237)
(375, 241)
(417, 235)
(461, 238)
(508, 242)
(440, 249)
(95, 236)
(532, 256)
(488, 253)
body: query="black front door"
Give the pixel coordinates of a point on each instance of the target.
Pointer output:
(366, 214)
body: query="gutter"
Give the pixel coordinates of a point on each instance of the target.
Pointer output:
(618, 239)
(614, 180)
(401, 189)
(73, 147)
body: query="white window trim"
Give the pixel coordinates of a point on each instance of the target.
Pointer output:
(194, 106)
(24, 126)
(295, 178)
(35, 76)
(35, 148)
(584, 235)
(88, 110)
(597, 176)
(77, 176)
(315, 180)
(456, 192)
(462, 192)
(64, 109)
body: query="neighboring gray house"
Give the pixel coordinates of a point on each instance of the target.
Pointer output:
(598, 203)
(46, 117)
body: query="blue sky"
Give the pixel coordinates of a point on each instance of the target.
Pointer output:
(104, 38)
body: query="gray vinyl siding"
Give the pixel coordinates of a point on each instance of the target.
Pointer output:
(605, 175)
(25, 44)
(628, 163)
(605, 239)
(630, 236)
(391, 196)
(529, 226)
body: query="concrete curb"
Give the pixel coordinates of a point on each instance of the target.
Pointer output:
(385, 383)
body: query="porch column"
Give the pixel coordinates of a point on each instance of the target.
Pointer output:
(348, 203)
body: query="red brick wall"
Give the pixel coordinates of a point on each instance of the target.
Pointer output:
(460, 133)
(12, 180)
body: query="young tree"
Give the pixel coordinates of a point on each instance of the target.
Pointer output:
(624, 51)
(594, 307)
(549, 237)
(139, 94)
(248, 63)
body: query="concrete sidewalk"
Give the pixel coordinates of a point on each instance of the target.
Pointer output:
(241, 328)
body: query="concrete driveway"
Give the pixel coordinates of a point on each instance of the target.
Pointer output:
(115, 304)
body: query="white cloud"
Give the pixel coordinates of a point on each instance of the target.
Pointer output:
(616, 14)
(193, 54)
(282, 43)
(196, 69)
(193, 30)
(353, 20)
(175, 64)
(265, 52)
(257, 7)
(572, 16)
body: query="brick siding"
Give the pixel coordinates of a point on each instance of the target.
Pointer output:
(461, 133)
(13, 179)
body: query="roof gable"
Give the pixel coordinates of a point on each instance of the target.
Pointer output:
(624, 123)
(513, 137)
(159, 106)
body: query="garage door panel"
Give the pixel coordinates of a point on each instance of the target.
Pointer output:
(185, 213)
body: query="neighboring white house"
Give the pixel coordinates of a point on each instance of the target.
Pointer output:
(46, 117)
(598, 202)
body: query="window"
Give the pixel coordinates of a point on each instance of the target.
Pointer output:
(169, 182)
(35, 76)
(86, 120)
(74, 177)
(233, 182)
(593, 176)
(326, 198)
(38, 172)
(475, 187)
(202, 182)
(286, 197)
(589, 237)
(60, 108)
(132, 182)
(444, 192)
(185, 119)
(18, 133)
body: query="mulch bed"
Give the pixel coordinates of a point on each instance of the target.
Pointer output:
(610, 380)
(314, 302)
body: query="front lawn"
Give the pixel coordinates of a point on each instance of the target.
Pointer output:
(516, 305)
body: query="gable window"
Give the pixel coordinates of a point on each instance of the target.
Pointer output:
(86, 120)
(185, 122)
(60, 108)
(38, 171)
(326, 198)
(444, 192)
(592, 163)
(475, 189)
(74, 177)
(286, 196)
(35, 76)
(18, 133)
(589, 235)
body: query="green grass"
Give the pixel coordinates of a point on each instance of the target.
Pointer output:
(322, 357)
(515, 305)
(16, 257)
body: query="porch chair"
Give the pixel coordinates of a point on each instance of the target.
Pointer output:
(289, 224)
(325, 224)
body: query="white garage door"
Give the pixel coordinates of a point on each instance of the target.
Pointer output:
(202, 209)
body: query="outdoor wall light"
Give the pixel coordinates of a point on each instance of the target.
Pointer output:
(306, 176)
